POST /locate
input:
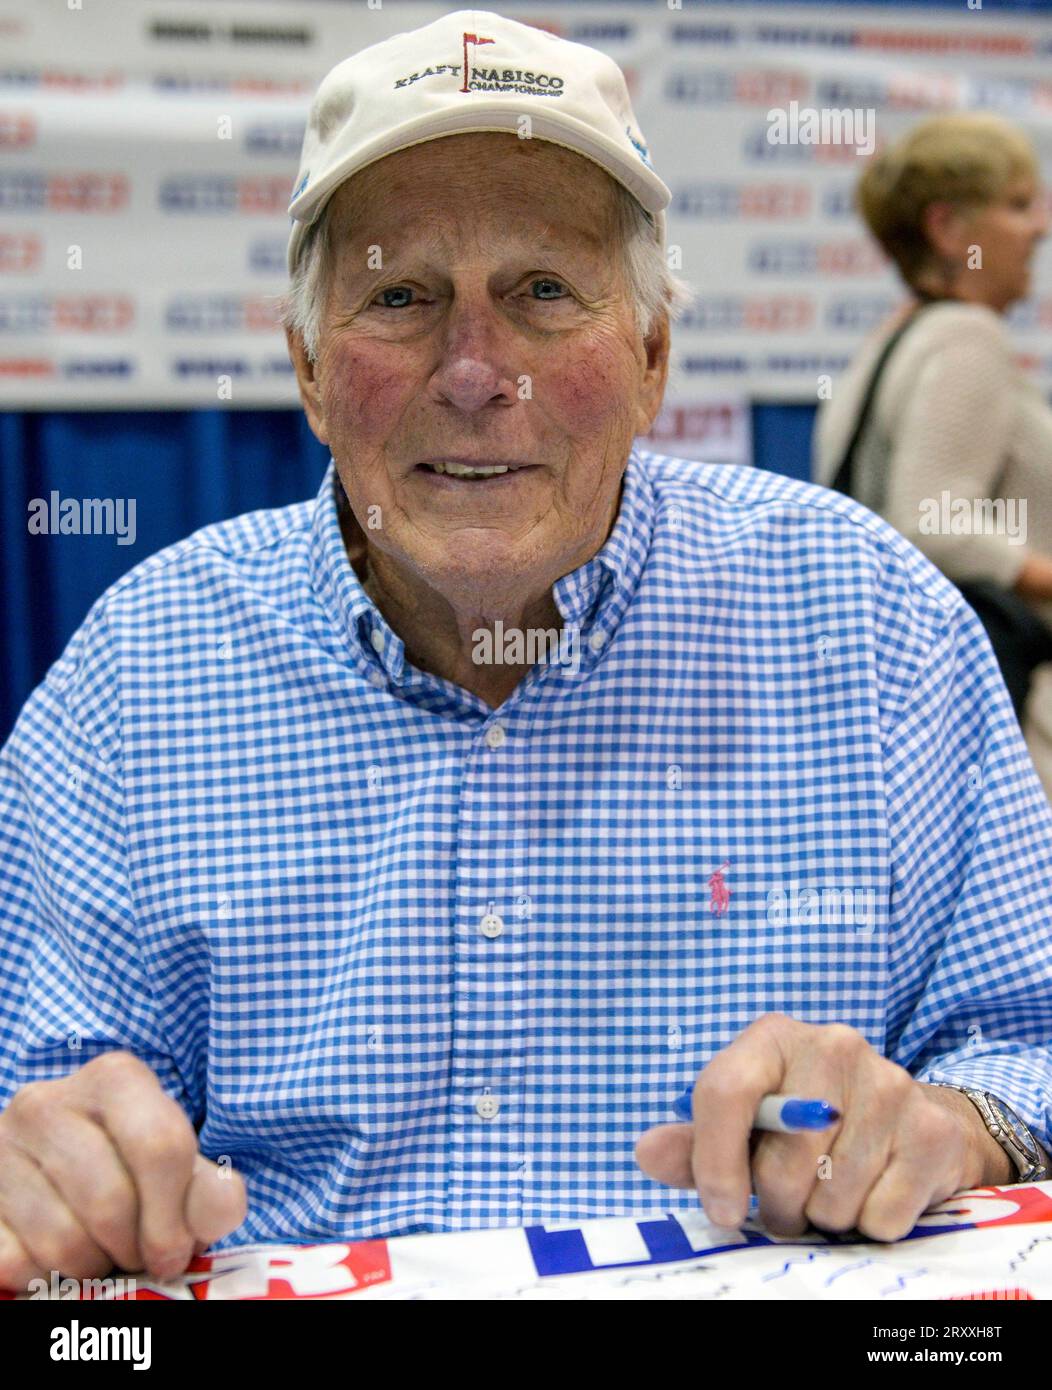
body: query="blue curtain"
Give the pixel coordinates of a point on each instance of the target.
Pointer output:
(185, 469)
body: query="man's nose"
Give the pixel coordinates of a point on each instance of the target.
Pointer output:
(476, 365)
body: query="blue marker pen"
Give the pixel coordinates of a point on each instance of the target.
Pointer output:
(782, 1114)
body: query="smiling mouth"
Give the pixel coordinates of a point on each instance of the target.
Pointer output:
(473, 472)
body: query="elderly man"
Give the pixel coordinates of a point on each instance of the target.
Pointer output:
(329, 908)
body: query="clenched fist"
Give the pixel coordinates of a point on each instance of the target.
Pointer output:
(101, 1169)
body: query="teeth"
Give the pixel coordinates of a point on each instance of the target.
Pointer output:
(461, 470)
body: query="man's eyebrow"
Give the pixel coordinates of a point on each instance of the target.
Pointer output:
(414, 256)
(575, 240)
(584, 241)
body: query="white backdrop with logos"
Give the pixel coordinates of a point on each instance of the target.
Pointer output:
(149, 149)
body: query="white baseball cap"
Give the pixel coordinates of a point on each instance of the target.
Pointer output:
(470, 70)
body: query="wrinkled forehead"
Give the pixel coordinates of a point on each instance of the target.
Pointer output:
(486, 175)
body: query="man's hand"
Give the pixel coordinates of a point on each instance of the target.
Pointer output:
(101, 1169)
(898, 1148)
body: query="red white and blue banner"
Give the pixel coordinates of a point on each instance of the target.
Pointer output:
(992, 1243)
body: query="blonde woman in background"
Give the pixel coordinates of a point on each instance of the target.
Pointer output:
(957, 205)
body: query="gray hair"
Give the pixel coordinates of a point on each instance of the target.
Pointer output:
(652, 285)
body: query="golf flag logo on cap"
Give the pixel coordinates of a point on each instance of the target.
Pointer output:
(471, 38)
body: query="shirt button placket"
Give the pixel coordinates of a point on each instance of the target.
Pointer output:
(488, 985)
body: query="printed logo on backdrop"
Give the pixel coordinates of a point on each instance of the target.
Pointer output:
(742, 87)
(68, 313)
(858, 315)
(782, 313)
(32, 190)
(20, 252)
(854, 257)
(710, 431)
(183, 83)
(237, 34)
(18, 130)
(275, 137)
(264, 257)
(222, 193)
(221, 313)
(761, 201)
(598, 33)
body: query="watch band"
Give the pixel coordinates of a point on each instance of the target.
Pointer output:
(1004, 1125)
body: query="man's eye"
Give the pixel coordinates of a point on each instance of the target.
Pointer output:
(400, 296)
(394, 290)
(547, 282)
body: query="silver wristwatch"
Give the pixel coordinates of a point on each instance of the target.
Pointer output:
(1010, 1132)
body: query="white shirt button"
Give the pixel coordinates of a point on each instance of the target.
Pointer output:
(597, 641)
(376, 637)
(487, 1106)
(376, 678)
(491, 925)
(495, 735)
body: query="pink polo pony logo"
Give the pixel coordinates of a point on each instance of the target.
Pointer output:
(471, 38)
(719, 893)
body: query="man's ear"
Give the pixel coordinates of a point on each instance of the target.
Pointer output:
(307, 380)
(655, 374)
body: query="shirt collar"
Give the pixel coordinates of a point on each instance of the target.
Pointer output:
(591, 598)
(591, 593)
(352, 612)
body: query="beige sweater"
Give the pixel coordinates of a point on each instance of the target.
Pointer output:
(954, 414)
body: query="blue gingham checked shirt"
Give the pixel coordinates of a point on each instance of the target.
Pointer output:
(416, 964)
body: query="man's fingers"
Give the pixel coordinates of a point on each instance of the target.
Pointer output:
(16, 1264)
(101, 1168)
(895, 1201)
(158, 1146)
(664, 1153)
(726, 1097)
(787, 1168)
(785, 1171)
(216, 1202)
(873, 1113)
(923, 1168)
(36, 1214)
(84, 1167)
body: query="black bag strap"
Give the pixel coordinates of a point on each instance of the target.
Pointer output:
(844, 477)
